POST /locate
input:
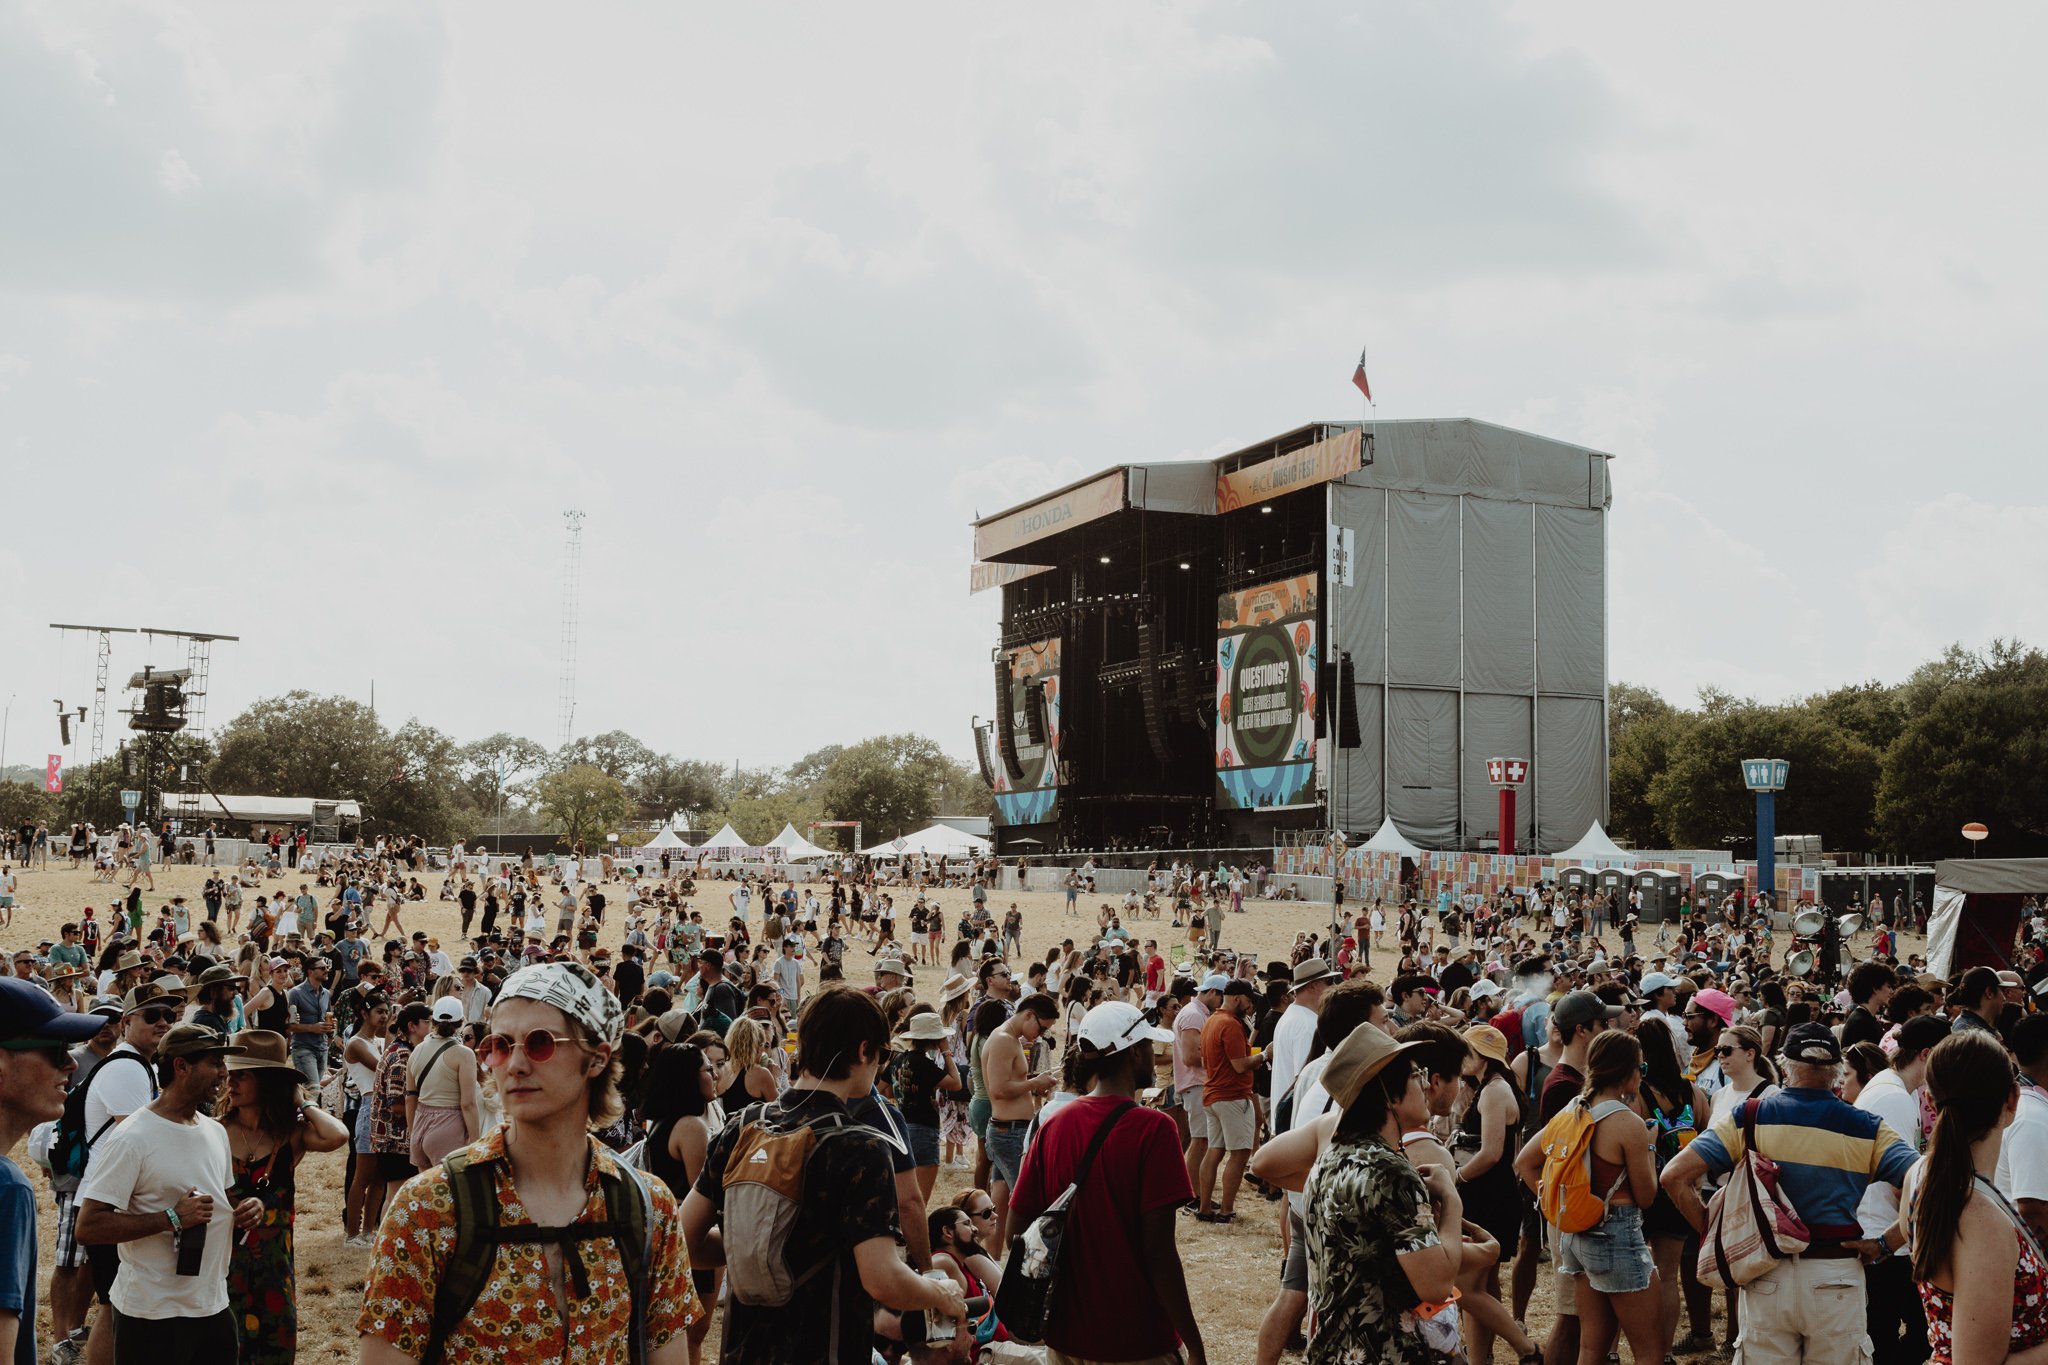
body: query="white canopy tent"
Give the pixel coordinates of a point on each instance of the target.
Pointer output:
(1390, 839)
(666, 839)
(727, 842)
(795, 847)
(1594, 846)
(933, 839)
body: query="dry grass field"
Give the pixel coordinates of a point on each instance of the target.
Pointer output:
(1232, 1270)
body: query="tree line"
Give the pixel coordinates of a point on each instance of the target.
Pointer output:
(416, 779)
(1897, 769)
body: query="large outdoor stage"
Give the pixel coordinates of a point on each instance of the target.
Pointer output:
(1317, 632)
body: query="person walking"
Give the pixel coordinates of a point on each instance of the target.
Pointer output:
(360, 1057)
(1013, 1096)
(441, 1090)
(270, 1128)
(587, 1266)
(1897, 1324)
(1808, 1306)
(1968, 1242)
(310, 1005)
(1228, 1062)
(158, 1188)
(1122, 1294)
(1189, 1075)
(1484, 1150)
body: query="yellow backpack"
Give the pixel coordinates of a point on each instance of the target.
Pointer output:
(1565, 1193)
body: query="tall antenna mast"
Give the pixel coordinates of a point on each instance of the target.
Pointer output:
(572, 574)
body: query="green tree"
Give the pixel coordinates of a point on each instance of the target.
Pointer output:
(93, 794)
(614, 753)
(495, 771)
(1700, 800)
(583, 801)
(303, 745)
(419, 795)
(24, 803)
(1979, 751)
(1871, 711)
(889, 783)
(667, 785)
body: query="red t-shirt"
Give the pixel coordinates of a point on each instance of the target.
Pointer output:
(1105, 1308)
(1155, 973)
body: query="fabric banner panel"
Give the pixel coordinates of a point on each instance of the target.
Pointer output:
(1422, 582)
(1422, 765)
(1031, 799)
(1500, 602)
(1361, 621)
(1570, 769)
(1361, 799)
(1495, 727)
(1570, 602)
(1266, 656)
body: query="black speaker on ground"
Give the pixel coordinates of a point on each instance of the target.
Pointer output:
(1151, 689)
(1347, 721)
(1006, 721)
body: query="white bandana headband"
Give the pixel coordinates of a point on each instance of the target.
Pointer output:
(570, 988)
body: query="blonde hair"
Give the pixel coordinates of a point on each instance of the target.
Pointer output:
(744, 1043)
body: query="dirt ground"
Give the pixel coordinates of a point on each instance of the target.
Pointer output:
(1232, 1271)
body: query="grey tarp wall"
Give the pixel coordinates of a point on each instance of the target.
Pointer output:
(1477, 627)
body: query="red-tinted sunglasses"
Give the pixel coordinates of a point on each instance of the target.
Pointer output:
(539, 1045)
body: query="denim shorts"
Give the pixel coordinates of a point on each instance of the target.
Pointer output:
(924, 1143)
(1613, 1257)
(1005, 1148)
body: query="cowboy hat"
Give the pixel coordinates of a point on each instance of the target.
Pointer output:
(262, 1050)
(220, 975)
(1359, 1058)
(1310, 970)
(955, 986)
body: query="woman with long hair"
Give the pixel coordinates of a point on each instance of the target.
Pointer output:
(683, 1085)
(1486, 1176)
(924, 1072)
(746, 1043)
(269, 979)
(1742, 1059)
(360, 1057)
(1968, 1241)
(1862, 1062)
(270, 1127)
(1675, 1110)
(441, 1109)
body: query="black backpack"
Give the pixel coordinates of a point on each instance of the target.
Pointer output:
(1030, 1280)
(70, 1147)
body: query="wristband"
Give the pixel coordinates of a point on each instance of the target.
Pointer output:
(172, 1215)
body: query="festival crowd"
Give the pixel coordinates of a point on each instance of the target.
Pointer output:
(558, 1152)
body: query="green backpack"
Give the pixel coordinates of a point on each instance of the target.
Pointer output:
(479, 1234)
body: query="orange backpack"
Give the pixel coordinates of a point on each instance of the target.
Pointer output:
(1565, 1194)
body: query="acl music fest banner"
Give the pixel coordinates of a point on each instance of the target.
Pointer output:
(1266, 652)
(1030, 800)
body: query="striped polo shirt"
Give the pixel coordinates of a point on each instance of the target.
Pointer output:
(1827, 1153)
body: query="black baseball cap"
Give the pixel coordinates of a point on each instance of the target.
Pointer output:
(1579, 1008)
(31, 1017)
(1814, 1043)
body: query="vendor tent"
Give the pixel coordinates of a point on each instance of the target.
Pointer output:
(1390, 839)
(1594, 846)
(666, 839)
(1976, 914)
(727, 843)
(933, 839)
(794, 847)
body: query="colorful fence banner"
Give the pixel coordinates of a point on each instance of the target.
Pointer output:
(1033, 796)
(1266, 652)
(1374, 875)
(53, 775)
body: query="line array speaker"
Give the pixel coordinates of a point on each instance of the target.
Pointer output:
(1155, 701)
(1006, 721)
(1347, 723)
(988, 771)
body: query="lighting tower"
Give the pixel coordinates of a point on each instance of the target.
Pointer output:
(572, 570)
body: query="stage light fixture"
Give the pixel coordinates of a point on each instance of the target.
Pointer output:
(1184, 564)
(1266, 508)
(1105, 559)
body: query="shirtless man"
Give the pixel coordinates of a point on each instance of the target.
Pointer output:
(1013, 1094)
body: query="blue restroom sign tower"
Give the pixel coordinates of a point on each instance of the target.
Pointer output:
(1766, 777)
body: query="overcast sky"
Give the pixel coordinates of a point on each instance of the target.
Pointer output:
(314, 318)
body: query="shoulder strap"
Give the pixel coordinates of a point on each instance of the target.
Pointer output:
(1095, 1143)
(419, 1080)
(632, 1215)
(474, 1196)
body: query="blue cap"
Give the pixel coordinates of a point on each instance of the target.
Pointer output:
(30, 1015)
(1214, 981)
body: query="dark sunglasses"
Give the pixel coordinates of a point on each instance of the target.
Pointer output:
(988, 1212)
(159, 1016)
(1727, 1050)
(539, 1045)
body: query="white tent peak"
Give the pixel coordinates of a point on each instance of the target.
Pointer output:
(727, 837)
(794, 846)
(666, 838)
(932, 839)
(1595, 846)
(1390, 839)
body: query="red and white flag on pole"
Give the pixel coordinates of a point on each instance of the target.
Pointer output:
(53, 774)
(1358, 378)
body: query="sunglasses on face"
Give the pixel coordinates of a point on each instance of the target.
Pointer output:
(159, 1016)
(988, 1212)
(1725, 1050)
(538, 1045)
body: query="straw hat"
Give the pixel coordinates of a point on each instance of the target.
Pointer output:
(127, 962)
(262, 1050)
(1357, 1060)
(925, 1027)
(955, 986)
(220, 975)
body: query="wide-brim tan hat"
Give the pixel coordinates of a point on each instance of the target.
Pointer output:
(1488, 1042)
(262, 1050)
(924, 1027)
(1357, 1060)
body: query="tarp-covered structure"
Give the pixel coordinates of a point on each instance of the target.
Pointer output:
(727, 843)
(1975, 918)
(275, 810)
(933, 839)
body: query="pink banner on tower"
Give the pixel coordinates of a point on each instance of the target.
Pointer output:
(53, 775)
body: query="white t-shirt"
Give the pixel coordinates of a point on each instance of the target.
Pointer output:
(1729, 1098)
(1311, 1102)
(2023, 1154)
(124, 1089)
(1887, 1097)
(1292, 1039)
(146, 1165)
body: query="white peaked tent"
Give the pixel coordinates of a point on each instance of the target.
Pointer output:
(727, 838)
(795, 847)
(1595, 846)
(667, 838)
(1390, 839)
(935, 839)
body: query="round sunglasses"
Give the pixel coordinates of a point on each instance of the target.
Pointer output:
(539, 1045)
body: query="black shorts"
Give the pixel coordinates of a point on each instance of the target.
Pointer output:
(105, 1261)
(395, 1168)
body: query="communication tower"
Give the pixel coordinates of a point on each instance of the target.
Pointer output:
(572, 574)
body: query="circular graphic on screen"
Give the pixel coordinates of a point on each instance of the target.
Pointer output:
(1266, 691)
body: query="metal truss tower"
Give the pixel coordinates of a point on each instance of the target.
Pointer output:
(199, 658)
(572, 577)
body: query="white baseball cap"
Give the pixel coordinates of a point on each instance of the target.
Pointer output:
(1482, 990)
(1214, 981)
(1115, 1025)
(448, 1009)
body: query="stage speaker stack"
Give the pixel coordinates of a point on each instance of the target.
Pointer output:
(1347, 721)
(1006, 722)
(1034, 712)
(1326, 688)
(1155, 699)
(988, 771)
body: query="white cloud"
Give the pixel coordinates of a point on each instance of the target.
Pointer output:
(174, 174)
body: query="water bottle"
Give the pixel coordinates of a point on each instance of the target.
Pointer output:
(191, 1246)
(938, 1327)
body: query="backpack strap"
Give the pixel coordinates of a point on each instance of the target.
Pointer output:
(1095, 1143)
(474, 1196)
